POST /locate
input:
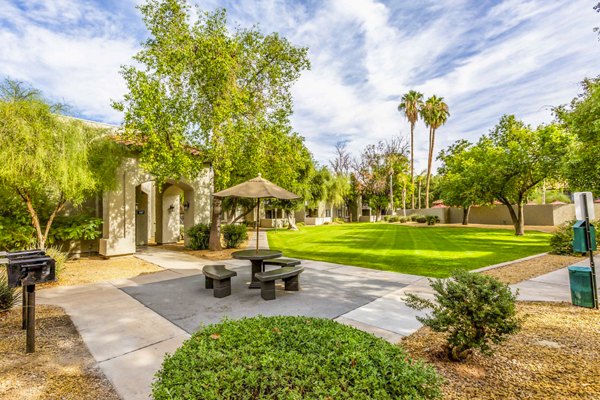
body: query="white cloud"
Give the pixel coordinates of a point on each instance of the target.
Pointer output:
(519, 56)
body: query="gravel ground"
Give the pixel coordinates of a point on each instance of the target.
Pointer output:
(517, 272)
(61, 367)
(224, 254)
(554, 356)
(97, 269)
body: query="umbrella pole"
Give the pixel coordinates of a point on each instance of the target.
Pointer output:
(257, 221)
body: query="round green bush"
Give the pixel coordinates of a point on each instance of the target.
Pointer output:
(234, 235)
(199, 235)
(291, 358)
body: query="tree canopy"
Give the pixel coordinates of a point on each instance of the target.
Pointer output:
(582, 118)
(513, 159)
(227, 92)
(48, 159)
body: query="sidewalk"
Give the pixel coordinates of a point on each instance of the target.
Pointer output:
(129, 325)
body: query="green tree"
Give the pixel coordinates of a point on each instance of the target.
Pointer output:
(582, 118)
(514, 158)
(459, 184)
(411, 106)
(197, 83)
(48, 159)
(435, 114)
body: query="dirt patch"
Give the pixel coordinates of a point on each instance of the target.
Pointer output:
(97, 269)
(518, 272)
(61, 367)
(224, 254)
(554, 356)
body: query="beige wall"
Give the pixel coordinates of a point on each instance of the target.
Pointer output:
(535, 214)
(119, 227)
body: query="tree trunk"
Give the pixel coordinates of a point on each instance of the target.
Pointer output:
(214, 242)
(466, 210)
(392, 211)
(404, 199)
(419, 194)
(412, 164)
(516, 217)
(35, 221)
(236, 219)
(429, 161)
(520, 226)
(291, 221)
(57, 209)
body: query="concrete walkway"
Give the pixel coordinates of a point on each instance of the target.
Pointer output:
(129, 338)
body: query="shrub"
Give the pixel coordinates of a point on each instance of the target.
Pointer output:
(415, 217)
(474, 310)
(15, 233)
(199, 235)
(291, 358)
(299, 224)
(59, 257)
(234, 235)
(386, 218)
(403, 219)
(421, 219)
(561, 241)
(8, 296)
(339, 220)
(78, 227)
(394, 219)
(432, 219)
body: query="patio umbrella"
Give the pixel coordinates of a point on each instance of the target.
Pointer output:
(257, 188)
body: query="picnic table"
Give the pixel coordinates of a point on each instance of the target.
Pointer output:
(256, 258)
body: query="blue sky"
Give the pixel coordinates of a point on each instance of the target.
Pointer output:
(486, 58)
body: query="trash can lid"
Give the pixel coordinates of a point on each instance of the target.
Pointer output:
(576, 268)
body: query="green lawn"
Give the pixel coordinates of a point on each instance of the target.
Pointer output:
(429, 251)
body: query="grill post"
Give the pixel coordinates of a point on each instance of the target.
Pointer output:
(30, 345)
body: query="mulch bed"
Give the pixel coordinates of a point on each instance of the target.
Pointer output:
(224, 254)
(555, 356)
(517, 272)
(61, 367)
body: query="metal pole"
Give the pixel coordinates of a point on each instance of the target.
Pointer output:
(24, 308)
(30, 346)
(257, 221)
(588, 239)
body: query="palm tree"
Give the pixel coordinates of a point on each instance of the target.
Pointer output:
(435, 114)
(412, 103)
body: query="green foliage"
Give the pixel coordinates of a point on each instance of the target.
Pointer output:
(403, 219)
(561, 241)
(509, 162)
(199, 235)
(432, 219)
(15, 233)
(475, 311)
(60, 257)
(8, 296)
(417, 217)
(421, 219)
(49, 159)
(77, 227)
(234, 235)
(393, 218)
(291, 358)
(582, 118)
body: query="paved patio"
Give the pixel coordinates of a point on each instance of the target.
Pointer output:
(130, 324)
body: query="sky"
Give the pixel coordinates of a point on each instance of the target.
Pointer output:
(485, 58)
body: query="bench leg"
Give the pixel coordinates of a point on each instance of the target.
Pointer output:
(222, 288)
(208, 282)
(267, 290)
(292, 283)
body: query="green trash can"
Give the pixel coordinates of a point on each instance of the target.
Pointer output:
(580, 280)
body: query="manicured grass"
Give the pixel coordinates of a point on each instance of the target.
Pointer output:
(429, 251)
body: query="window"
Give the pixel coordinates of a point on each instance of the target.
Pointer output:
(327, 213)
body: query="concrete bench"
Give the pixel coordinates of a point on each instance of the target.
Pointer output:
(282, 262)
(288, 274)
(218, 277)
